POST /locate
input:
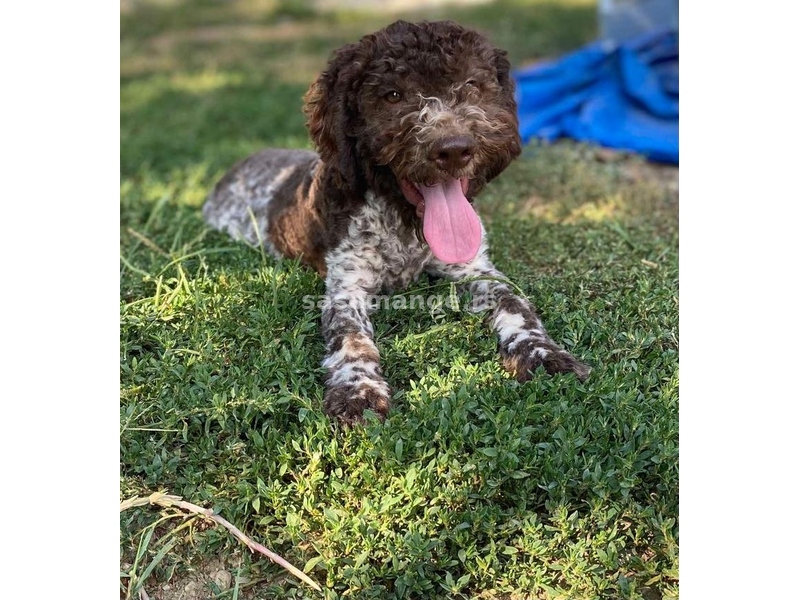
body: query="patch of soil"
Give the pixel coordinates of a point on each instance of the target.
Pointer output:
(635, 169)
(201, 582)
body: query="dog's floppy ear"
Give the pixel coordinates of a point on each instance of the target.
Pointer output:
(503, 67)
(513, 146)
(329, 106)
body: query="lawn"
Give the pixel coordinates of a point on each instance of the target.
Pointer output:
(475, 486)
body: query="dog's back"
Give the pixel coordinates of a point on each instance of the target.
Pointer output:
(266, 200)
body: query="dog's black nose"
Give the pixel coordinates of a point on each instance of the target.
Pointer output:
(453, 153)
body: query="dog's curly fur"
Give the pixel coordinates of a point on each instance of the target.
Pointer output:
(408, 106)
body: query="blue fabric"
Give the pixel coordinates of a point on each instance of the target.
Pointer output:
(620, 96)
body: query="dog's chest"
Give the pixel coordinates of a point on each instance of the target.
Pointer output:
(388, 255)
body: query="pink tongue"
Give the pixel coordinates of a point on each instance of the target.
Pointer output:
(450, 225)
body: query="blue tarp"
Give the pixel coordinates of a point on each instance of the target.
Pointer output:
(622, 96)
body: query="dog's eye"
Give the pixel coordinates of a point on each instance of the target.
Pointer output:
(393, 96)
(472, 83)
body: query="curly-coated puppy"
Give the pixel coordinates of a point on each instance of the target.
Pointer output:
(410, 123)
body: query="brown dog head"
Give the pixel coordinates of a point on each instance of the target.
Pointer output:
(421, 113)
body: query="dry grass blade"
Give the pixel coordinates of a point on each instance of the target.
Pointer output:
(162, 499)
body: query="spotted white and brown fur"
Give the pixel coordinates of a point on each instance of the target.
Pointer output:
(408, 106)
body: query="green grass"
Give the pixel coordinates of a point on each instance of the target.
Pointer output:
(475, 486)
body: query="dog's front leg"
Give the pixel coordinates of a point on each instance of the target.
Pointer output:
(353, 383)
(523, 341)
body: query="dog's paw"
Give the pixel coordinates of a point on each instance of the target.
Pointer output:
(530, 354)
(348, 402)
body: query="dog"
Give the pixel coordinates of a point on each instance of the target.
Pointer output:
(410, 124)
